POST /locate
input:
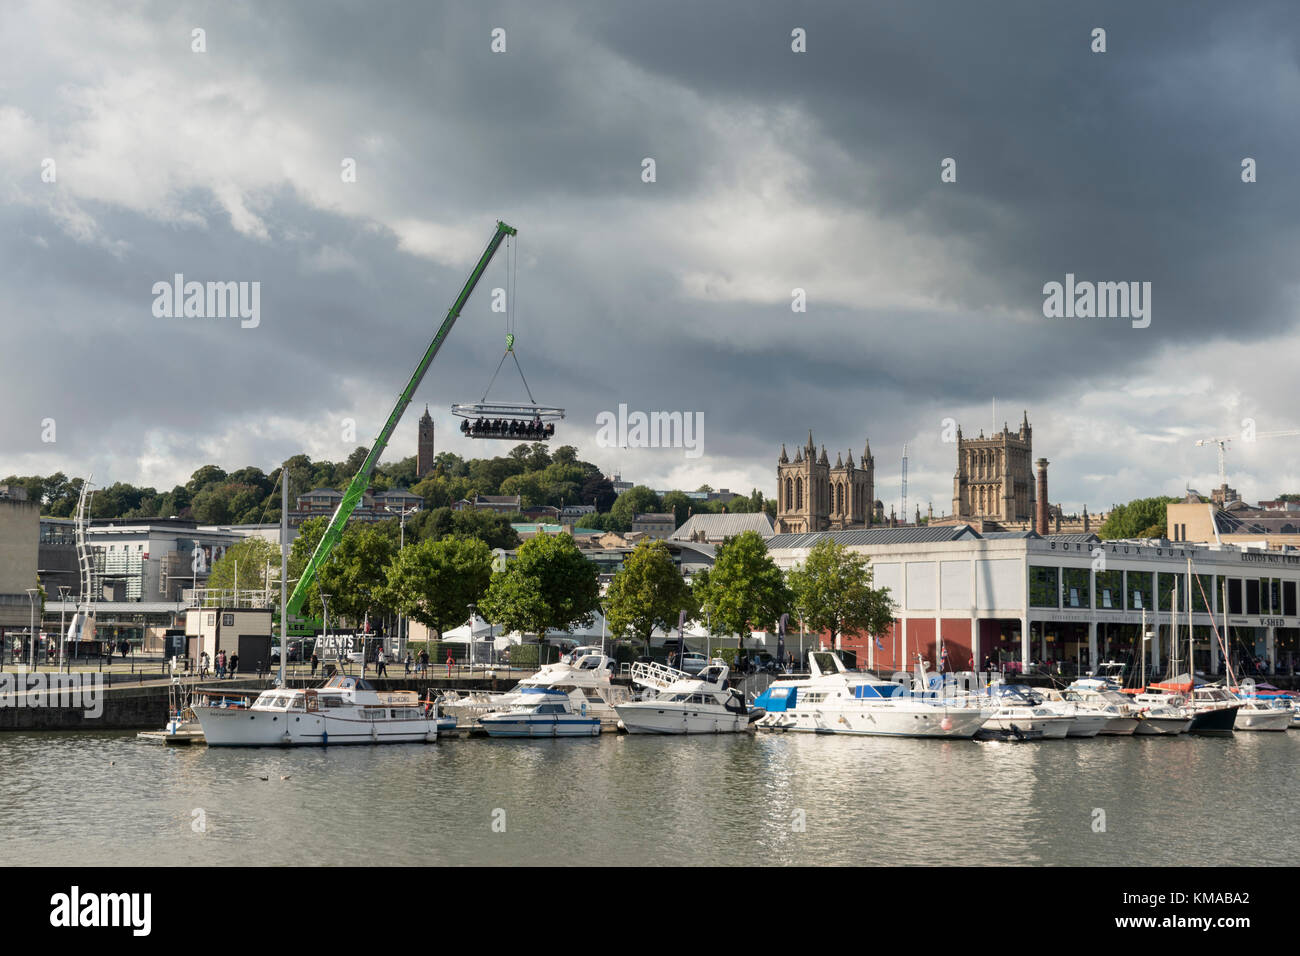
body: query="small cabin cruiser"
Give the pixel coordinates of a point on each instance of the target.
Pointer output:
(1257, 714)
(1020, 714)
(344, 710)
(703, 703)
(835, 700)
(583, 675)
(539, 712)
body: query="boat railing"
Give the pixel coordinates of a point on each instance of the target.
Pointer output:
(654, 674)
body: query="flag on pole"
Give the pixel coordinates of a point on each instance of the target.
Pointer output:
(880, 644)
(681, 638)
(943, 656)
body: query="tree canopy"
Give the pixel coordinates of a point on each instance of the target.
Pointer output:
(549, 586)
(1140, 518)
(647, 592)
(744, 590)
(832, 592)
(435, 582)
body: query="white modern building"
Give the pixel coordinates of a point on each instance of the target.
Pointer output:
(1020, 597)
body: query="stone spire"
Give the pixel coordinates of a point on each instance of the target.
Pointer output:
(823, 460)
(839, 461)
(784, 459)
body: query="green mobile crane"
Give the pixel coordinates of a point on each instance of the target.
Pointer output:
(357, 487)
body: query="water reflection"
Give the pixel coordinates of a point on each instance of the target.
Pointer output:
(746, 800)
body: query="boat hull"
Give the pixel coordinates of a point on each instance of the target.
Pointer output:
(882, 722)
(1120, 727)
(540, 725)
(1217, 721)
(1035, 728)
(650, 717)
(1150, 726)
(1262, 719)
(237, 727)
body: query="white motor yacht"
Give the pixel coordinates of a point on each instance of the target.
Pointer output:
(539, 712)
(703, 703)
(835, 700)
(1257, 714)
(344, 710)
(583, 676)
(1103, 697)
(1162, 715)
(1019, 713)
(1088, 720)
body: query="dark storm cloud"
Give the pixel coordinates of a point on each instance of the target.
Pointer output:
(1115, 166)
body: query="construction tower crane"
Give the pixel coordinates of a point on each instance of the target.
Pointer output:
(1223, 440)
(357, 487)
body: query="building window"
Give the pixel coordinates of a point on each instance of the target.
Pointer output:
(1139, 589)
(1252, 595)
(1199, 582)
(1288, 598)
(1044, 587)
(1075, 588)
(1168, 582)
(1110, 584)
(1234, 596)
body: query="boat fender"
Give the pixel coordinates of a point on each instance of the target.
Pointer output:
(431, 737)
(946, 723)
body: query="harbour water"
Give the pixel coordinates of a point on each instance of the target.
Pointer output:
(743, 799)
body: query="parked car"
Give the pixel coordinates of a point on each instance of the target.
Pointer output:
(693, 663)
(295, 652)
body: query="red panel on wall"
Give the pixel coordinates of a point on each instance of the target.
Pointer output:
(956, 638)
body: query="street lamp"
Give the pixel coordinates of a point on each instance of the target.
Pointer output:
(403, 513)
(325, 618)
(473, 612)
(63, 634)
(31, 633)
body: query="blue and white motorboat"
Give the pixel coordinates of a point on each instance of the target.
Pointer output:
(539, 712)
(835, 700)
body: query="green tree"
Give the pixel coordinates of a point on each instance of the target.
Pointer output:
(549, 586)
(250, 556)
(356, 574)
(635, 501)
(744, 589)
(207, 475)
(647, 592)
(1140, 518)
(435, 582)
(599, 491)
(832, 592)
(680, 505)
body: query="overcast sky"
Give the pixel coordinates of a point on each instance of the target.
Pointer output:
(775, 170)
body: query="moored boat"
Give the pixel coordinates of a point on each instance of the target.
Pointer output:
(703, 703)
(539, 712)
(343, 710)
(834, 700)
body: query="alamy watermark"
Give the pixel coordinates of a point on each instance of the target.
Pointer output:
(38, 690)
(651, 430)
(1098, 300)
(208, 300)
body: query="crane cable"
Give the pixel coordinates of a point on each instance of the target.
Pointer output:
(512, 260)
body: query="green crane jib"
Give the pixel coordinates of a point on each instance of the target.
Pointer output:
(357, 487)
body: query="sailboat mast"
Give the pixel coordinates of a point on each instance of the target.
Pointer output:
(284, 569)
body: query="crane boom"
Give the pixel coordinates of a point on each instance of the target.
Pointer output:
(357, 487)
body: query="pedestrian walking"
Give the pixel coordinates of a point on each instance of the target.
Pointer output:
(450, 660)
(381, 664)
(203, 665)
(424, 661)
(314, 662)
(408, 662)
(234, 665)
(221, 665)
